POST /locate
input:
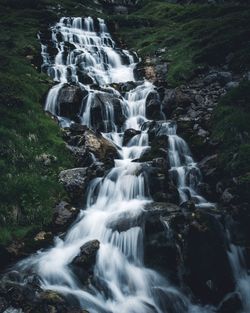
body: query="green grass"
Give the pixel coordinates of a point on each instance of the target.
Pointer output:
(29, 189)
(194, 35)
(231, 128)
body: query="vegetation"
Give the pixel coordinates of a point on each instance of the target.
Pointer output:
(231, 128)
(192, 35)
(29, 185)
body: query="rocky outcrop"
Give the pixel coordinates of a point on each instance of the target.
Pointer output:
(86, 146)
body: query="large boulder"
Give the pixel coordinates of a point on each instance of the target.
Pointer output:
(69, 101)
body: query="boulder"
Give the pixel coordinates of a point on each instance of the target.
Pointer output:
(104, 105)
(64, 215)
(69, 101)
(153, 106)
(75, 182)
(87, 255)
(129, 134)
(231, 304)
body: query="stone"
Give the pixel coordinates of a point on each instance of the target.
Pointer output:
(75, 182)
(87, 255)
(64, 215)
(227, 197)
(69, 101)
(129, 134)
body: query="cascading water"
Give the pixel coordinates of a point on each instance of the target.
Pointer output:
(121, 281)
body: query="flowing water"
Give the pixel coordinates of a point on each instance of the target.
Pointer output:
(121, 282)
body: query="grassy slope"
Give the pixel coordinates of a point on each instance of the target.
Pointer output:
(193, 35)
(29, 189)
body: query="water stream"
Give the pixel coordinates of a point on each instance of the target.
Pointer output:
(121, 282)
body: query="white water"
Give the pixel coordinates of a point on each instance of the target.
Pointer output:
(121, 281)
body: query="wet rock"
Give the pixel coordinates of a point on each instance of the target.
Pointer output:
(129, 134)
(87, 255)
(64, 215)
(207, 268)
(85, 143)
(231, 304)
(231, 85)
(103, 102)
(153, 106)
(75, 182)
(69, 101)
(161, 252)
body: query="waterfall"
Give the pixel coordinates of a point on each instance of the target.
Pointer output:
(124, 285)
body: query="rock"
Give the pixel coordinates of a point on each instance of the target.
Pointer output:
(103, 106)
(5, 260)
(129, 134)
(231, 85)
(224, 78)
(208, 168)
(46, 159)
(153, 106)
(84, 143)
(231, 304)
(86, 257)
(69, 101)
(207, 269)
(161, 252)
(227, 196)
(64, 215)
(75, 182)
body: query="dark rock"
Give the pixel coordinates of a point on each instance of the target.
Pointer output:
(5, 259)
(129, 134)
(101, 102)
(161, 252)
(227, 197)
(64, 215)
(84, 143)
(231, 304)
(153, 106)
(69, 101)
(207, 268)
(87, 255)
